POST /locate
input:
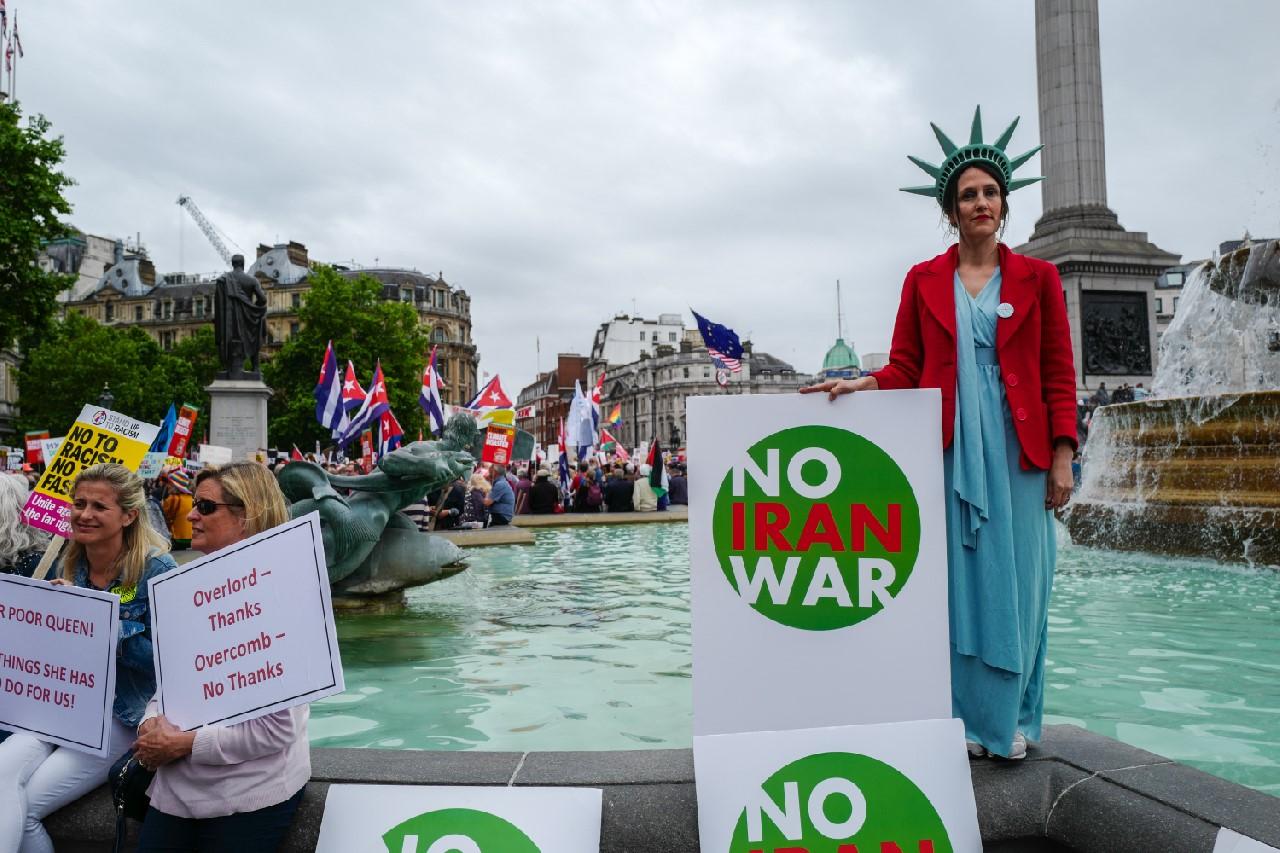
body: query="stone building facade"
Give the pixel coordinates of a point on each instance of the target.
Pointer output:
(172, 307)
(551, 395)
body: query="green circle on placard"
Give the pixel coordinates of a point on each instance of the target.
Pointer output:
(831, 799)
(458, 831)
(834, 507)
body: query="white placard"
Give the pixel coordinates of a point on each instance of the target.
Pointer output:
(468, 819)
(814, 788)
(247, 630)
(213, 454)
(58, 662)
(1234, 842)
(840, 554)
(152, 465)
(49, 447)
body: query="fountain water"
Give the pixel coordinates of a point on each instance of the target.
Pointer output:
(1195, 469)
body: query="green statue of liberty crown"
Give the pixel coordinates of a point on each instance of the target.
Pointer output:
(977, 151)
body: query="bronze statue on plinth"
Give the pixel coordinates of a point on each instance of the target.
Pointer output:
(239, 321)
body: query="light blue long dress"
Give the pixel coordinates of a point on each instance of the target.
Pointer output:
(1000, 545)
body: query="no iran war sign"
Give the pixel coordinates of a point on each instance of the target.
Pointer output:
(417, 819)
(247, 630)
(818, 561)
(58, 662)
(900, 787)
(98, 435)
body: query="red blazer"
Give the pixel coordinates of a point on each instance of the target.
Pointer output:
(1033, 346)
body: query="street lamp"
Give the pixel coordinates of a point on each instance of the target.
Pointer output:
(106, 398)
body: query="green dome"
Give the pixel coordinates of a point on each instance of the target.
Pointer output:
(840, 357)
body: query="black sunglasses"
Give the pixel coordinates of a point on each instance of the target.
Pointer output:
(208, 507)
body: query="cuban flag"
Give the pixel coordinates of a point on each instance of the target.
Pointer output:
(375, 403)
(491, 396)
(722, 343)
(389, 432)
(353, 395)
(429, 398)
(596, 394)
(328, 392)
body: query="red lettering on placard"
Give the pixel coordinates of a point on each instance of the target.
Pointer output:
(862, 519)
(771, 519)
(739, 527)
(820, 527)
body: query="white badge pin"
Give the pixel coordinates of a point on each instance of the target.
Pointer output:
(1005, 310)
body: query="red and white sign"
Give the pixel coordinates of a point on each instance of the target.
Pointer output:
(35, 447)
(247, 630)
(499, 442)
(182, 430)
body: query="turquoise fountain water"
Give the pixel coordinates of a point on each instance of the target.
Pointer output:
(582, 642)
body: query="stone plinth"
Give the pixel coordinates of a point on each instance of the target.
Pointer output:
(239, 415)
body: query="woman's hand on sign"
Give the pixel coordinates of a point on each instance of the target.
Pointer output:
(162, 742)
(60, 582)
(835, 387)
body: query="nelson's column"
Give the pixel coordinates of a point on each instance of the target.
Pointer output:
(1108, 273)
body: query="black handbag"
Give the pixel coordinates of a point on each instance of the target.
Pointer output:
(129, 782)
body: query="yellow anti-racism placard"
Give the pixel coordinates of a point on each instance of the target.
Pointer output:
(98, 435)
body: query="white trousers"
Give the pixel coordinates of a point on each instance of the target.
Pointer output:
(38, 778)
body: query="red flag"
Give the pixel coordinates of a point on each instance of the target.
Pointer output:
(295, 455)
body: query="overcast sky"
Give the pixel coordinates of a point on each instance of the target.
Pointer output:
(565, 161)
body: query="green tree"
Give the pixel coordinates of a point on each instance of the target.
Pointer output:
(72, 362)
(364, 328)
(31, 201)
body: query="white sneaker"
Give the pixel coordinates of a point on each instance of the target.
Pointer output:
(976, 750)
(1018, 750)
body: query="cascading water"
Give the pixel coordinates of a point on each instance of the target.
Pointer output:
(1195, 469)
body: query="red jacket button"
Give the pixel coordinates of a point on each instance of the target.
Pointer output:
(1012, 379)
(1021, 414)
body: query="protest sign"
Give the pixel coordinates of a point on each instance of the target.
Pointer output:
(213, 454)
(35, 453)
(461, 819)
(498, 444)
(818, 561)
(58, 662)
(893, 786)
(13, 459)
(152, 465)
(247, 630)
(49, 448)
(183, 429)
(1229, 841)
(98, 435)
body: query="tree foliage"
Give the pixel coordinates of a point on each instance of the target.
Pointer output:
(31, 202)
(364, 328)
(73, 361)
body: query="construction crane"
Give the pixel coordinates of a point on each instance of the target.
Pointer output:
(210, 230)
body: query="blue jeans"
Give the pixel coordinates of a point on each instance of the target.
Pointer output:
(249, 832)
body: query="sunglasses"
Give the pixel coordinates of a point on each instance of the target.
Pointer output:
(208, 507)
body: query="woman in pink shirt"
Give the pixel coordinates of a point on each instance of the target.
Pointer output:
(232, 787)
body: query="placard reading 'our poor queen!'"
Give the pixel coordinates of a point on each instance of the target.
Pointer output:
(419, 819)
(247, 630)
(58, 662)
(818, 561)
(98, 435)
(901, 787)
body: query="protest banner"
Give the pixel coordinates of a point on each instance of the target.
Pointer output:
(183, 429)
(213, 454)
(13, 459)
(152, 465)
(49, 448)
(98, 435)
(460, 819)
(818, 561)
(894, 786)
(499, 441)
(35, 451)
(58, 662)
(247, 630)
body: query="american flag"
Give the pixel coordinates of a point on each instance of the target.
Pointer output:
(722, 343)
